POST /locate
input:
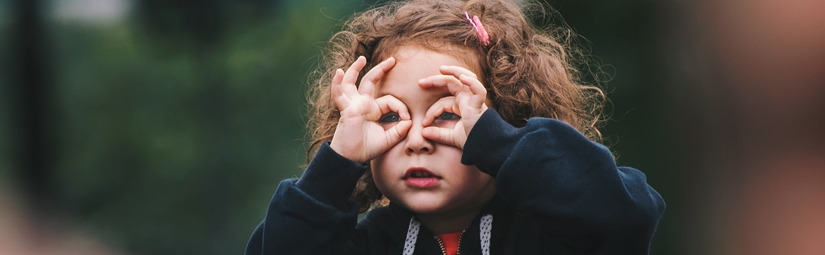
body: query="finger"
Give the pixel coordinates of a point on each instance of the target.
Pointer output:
(398, 132)
(375, 75)
(467, 77)
(457, 71)
(443, 135)
(390, 103)
(445, 104)
(478, 90)
(351, 76)
(450, 82)
(337, 93)
(335, 87)
(338, 77)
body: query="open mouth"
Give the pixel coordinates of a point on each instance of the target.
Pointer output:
(421, 178)
(419, 173)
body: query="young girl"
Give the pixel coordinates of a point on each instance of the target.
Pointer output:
(462, 130)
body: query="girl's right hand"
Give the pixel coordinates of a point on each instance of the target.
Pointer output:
(368, 126)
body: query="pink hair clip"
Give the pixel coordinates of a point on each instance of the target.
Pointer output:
(480, 31)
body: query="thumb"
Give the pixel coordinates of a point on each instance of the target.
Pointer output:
(398, 132)
(444, 136)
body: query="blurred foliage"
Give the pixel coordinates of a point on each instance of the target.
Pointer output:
(5, 91)
(173, 145)
(172, 140)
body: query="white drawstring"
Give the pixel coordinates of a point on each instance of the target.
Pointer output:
(486, 226)
(412, 236)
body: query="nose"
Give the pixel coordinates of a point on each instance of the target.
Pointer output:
(415, 143)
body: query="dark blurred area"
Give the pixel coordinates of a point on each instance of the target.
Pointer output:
(163, 127)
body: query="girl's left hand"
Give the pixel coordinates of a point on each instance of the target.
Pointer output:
(467, 102)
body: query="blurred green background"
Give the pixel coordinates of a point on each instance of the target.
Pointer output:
(174, 121)
(167, 125)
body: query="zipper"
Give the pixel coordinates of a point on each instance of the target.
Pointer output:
(458, 249)
(441, 243)
(444, 250)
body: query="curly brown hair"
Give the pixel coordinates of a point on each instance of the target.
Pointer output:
(528, 72)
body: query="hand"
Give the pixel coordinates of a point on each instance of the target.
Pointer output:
(467, 102)
(368, 126)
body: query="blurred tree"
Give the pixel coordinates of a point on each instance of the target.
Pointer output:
(174, 125)
(179, 126)
(33, 108)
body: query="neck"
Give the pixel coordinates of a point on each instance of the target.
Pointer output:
(440, 224)
(452, 221)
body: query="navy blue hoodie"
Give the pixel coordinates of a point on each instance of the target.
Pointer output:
(556, 193)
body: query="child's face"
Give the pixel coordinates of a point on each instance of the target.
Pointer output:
(456, 188)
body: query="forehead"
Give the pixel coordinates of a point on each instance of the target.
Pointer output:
(412, 64)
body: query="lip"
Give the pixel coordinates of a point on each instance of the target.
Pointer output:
(414, 169)
(421, 182)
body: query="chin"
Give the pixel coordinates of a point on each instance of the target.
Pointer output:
(424, 204)
(425, 208)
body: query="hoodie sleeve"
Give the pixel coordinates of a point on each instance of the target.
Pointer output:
(313, 214)
(569, 185)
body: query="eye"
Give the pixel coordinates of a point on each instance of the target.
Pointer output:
(389, 117)
(447, 116)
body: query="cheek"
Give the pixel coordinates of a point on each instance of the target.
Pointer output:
(471, 179)
(375, 167)
(393, 156)
(380, 168)
(474, 177)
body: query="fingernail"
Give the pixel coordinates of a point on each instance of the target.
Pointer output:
(462, 76)
(422, 80)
